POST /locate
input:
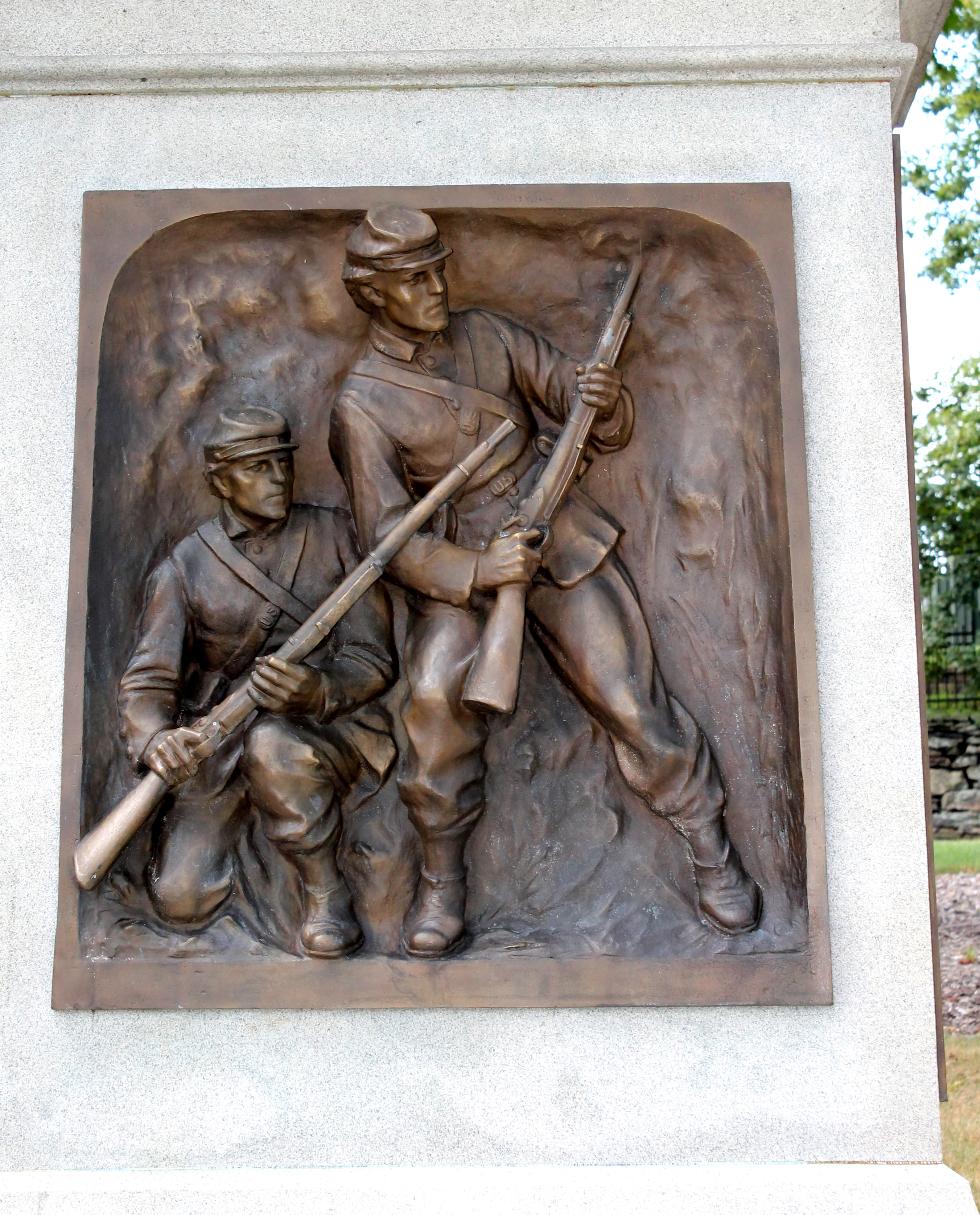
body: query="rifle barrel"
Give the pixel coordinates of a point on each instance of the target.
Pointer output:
(614, 334)
(494, 675)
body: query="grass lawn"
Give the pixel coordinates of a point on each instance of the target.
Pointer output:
(957, 856)
(961, 1114)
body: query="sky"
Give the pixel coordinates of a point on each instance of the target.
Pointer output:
(944, 326)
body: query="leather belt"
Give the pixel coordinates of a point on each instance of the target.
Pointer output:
(503, 483)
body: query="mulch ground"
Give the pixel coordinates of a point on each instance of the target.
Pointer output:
(958, 899)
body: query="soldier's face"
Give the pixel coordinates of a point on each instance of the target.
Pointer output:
(414, 299)
(258, 487)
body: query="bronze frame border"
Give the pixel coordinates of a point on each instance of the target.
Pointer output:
(115, 224)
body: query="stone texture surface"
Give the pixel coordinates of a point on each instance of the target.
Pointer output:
(962, 799)
(592, 65)
(164, 27)
(943, 781)
(849, 1082)
(956, 824)
(921, 22)
(825, 1189)
(163, 46)
(954, 777)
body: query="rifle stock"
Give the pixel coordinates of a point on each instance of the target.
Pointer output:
(494, 676)
(98, 850)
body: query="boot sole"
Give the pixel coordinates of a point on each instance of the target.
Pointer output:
(335, 953)
(731, 932)
(432, 956)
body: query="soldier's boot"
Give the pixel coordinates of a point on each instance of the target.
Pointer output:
(728, 899)
(330, 928)
(435, 922)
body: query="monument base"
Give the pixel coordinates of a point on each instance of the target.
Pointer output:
(717, 1189)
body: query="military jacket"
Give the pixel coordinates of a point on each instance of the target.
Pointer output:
(202, 627)
(392, 442)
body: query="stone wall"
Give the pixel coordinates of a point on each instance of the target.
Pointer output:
(954, 777)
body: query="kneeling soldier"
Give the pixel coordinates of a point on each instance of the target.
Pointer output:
(228, 594)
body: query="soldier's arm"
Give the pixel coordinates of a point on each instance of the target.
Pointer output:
(546, 378)
(149, 691)
(377, 487)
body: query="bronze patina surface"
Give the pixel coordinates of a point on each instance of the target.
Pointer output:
(645, 827)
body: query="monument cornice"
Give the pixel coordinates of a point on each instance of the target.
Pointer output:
(70, 75)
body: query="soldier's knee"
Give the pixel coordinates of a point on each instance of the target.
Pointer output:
(653, 744)
(419, 786)
(415, 788)
(428, 702)
(182, 899)
(264, 744)
(633, 723)
(270, 751)
(420, 794)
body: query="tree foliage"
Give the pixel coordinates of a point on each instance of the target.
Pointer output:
(948, 491)
(950, 179)
(948, 441)
(948, 467)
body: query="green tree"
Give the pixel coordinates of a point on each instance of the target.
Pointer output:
(947, 455)
(949, 180)
(948, 474)
(948, 441)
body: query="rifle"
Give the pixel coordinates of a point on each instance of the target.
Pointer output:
(494, 675)
(97, 852)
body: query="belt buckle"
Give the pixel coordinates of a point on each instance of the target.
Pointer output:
(269, 617)
(502, 484)
(469, 421)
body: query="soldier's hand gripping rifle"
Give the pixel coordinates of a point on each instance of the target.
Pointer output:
(494, 676)
(97, 851)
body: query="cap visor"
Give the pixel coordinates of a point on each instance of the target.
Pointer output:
(252, 450)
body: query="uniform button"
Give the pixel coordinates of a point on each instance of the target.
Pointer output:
(427, 360)
(256, 546)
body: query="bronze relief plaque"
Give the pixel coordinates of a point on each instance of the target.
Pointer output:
(440, 625)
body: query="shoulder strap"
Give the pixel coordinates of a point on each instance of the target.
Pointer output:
(294, 542)
(469, 418)
(215, 538)
(465, 396)
(463, 350)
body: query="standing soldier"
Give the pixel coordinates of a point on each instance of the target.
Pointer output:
(229, 593)
(427, 384)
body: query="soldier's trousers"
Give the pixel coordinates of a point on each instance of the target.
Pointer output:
(294, 776)
(597, 640)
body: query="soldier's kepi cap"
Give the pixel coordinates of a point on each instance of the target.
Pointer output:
(250, 431)
(392, 238)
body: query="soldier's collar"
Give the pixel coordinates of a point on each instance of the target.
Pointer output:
(235, 528)
(392, 344)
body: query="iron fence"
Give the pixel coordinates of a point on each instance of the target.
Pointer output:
(954, 596)
(952, 690)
